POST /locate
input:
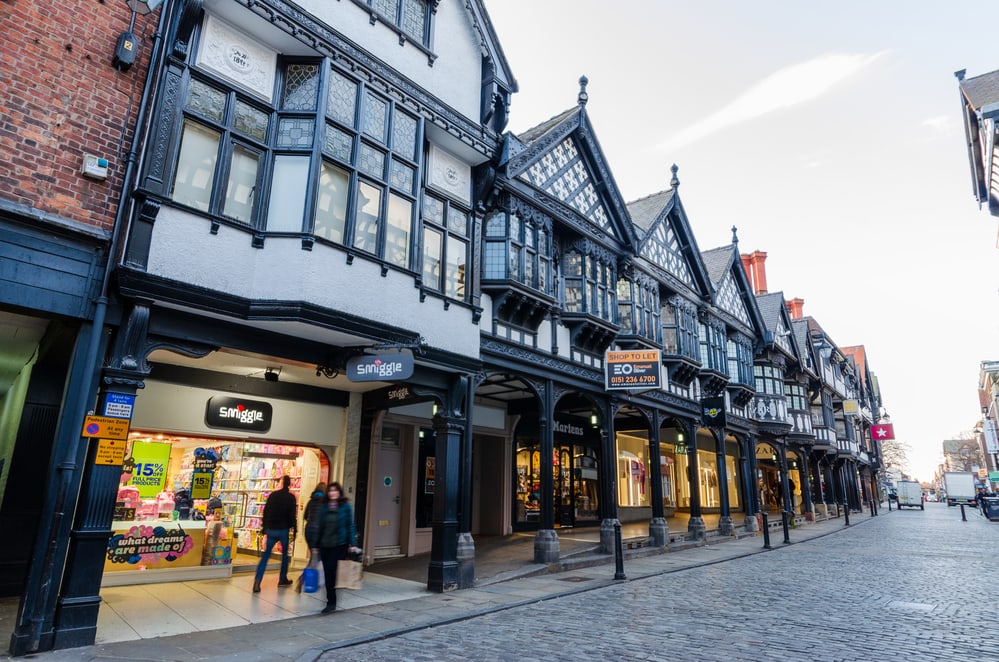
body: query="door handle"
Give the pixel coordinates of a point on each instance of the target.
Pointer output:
(396, 499)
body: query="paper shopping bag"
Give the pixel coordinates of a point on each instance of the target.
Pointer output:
(348, 574)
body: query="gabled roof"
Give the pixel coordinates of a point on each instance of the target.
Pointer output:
(979, 109)
(490, 45)
(562, 159)
(732, 291)
(981, 90)
(666, 240)
(777, 321)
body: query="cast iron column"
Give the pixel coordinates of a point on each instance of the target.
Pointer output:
(466, 544)
(449, 428)
(658, 527)
(750, 485)
(609, 470)
(695, 525)
(546, 547)
(34, 629)
(726, 526)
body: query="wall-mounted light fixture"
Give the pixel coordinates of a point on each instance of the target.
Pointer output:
(128, 45)
(681, 444)
(594, 419)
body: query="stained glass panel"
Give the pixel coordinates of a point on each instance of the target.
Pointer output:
(414, 15)
(339, 144)
(342, 99)
(301, 86)
(372, 161)
(401, 176)
(404, 136)
(295, 132)
(374, 116)
(206, 101)
(250, 121)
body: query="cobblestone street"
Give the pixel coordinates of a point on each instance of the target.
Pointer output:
(908, 585)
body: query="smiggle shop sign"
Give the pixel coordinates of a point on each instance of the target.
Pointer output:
(380, 368)
(238, 414)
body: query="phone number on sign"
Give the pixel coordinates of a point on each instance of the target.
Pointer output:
(634, 379)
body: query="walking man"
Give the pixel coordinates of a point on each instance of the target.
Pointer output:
(280, 518)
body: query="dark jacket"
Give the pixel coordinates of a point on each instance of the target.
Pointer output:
(311, 518)
(281, 511)
(334, 527)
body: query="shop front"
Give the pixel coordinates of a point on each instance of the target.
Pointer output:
(768, 477)
(193, 488)
(575, 470)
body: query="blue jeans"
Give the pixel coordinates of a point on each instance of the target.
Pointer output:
(275, 536)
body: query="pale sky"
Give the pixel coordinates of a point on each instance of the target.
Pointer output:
(830, 134)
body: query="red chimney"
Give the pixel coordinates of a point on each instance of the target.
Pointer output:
(758, 260)
(795, 308)
(747, 266)
(756, 271)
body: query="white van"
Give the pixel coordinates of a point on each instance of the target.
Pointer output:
(910, 493)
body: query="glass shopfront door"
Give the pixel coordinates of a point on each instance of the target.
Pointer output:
(575, 476)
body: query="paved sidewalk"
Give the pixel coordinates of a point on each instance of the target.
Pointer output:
(307, 638)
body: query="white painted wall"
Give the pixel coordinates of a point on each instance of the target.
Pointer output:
(455, 76)
(182, 249)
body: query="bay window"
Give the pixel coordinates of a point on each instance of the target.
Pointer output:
(679, 321)
(331, 160)
(589, 285)
(740, 361)
(518, 249)
(712, 342)
(638, 307)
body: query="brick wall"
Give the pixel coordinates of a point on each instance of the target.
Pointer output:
(60, 98)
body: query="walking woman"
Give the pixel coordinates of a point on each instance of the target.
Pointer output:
(312, 509)
(335, 536)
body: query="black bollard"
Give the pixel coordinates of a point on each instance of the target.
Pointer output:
(784, 517)
(766, 531)
(963, 518)
(618, 553)
(889, 503)
(846, 514)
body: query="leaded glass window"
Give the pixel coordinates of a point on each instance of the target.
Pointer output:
(409, 16)
(637, 305)
(445, 246)
(524, 245)
(740, 361)
(796, 397)
(712, 346)
(301, 86)
(589, 285)
(332, 158)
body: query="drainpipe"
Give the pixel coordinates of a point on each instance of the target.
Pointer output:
(68, 467)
